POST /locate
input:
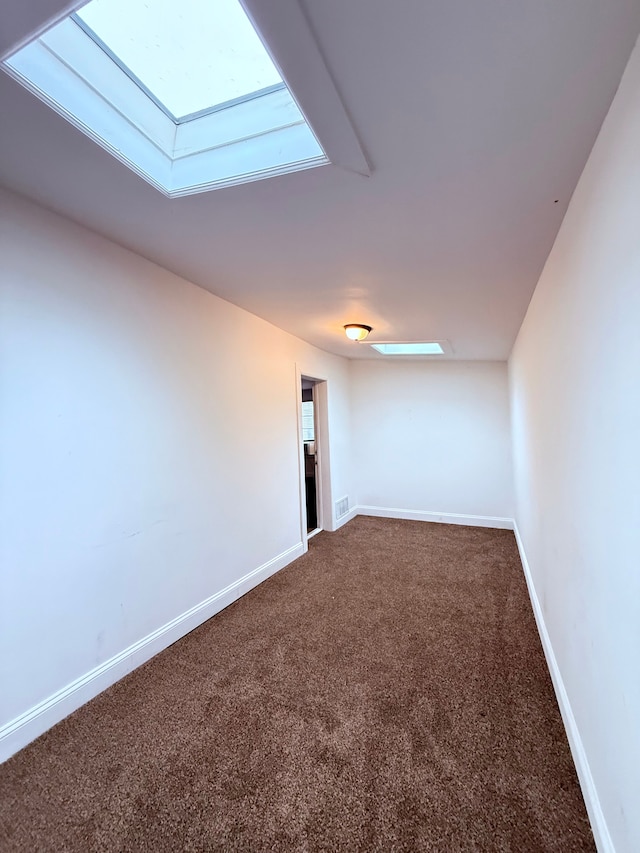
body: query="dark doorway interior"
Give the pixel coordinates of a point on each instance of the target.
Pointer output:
(310, 455)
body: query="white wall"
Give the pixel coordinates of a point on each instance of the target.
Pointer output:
(575, 388)
(432, 437)
(149, 453)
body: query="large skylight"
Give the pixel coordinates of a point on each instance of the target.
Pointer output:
(191, 55)
(186, 95)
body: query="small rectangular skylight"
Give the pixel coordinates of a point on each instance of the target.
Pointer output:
(191, 55)
(424, 348)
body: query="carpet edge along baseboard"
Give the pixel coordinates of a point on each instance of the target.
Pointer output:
(22, 730)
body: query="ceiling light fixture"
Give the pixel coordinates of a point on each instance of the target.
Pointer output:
(356, 331)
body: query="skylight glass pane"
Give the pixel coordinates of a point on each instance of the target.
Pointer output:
(431, 348)
(190, 54)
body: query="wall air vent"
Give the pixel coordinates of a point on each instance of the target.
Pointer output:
(342, 507)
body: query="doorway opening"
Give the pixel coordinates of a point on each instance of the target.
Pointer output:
(311, 454)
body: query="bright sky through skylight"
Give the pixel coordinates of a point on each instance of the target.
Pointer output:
(426, 348)
(191, 54)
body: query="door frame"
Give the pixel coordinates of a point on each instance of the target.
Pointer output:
(323, 470)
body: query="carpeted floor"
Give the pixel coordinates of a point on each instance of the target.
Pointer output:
(386, 692)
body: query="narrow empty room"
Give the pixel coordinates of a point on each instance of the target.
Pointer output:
(318, 426)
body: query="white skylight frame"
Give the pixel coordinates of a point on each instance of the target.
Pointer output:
(411, 349)
(218, 148)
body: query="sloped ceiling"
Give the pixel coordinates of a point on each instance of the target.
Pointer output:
(477, 117)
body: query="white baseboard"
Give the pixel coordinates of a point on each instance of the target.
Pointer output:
(437, 517)
(17, 733)
(589, 792)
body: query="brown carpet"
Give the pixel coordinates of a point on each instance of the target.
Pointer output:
(386, 692)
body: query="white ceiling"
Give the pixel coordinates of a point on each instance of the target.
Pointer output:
(477, 117)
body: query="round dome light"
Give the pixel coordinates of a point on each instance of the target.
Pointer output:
(356, 331)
